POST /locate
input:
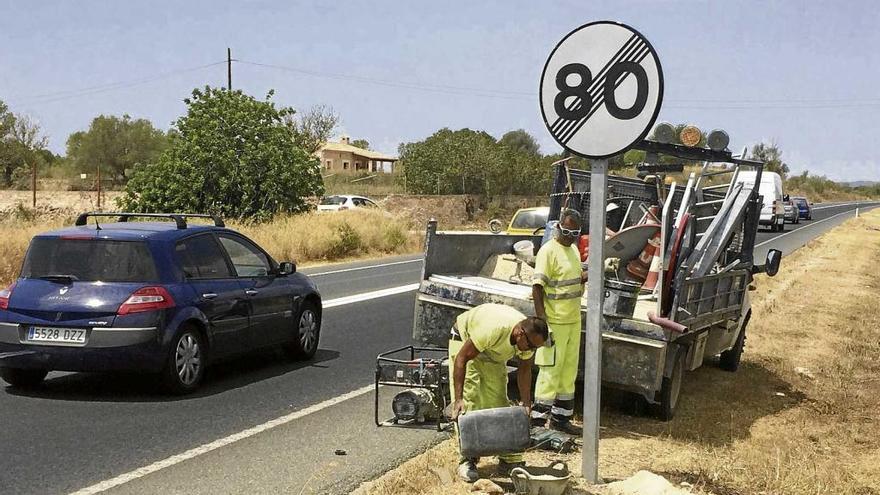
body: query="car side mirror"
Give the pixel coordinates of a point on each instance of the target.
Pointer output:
(286, 268)
(771, 265)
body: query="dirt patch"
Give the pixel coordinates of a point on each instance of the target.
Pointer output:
(801, 416)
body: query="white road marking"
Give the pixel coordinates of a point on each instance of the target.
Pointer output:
(867, 203)
(817, 222)
(365, 267)
(366, 296)
(216, 444)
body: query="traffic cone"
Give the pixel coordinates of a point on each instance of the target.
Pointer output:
(639, 267)
(653, 272)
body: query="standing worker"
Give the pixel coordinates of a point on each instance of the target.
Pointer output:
(482, 341)
(557, 287)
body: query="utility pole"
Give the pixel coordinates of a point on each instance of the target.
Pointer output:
(229, 68)
(34, 183)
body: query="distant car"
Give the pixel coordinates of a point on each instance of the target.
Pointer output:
(528, 221)
(770, 190)
(340, 202)
(791, 212)
(804, 206)
(156, 297)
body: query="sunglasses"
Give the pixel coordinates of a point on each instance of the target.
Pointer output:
(532, 347)
(569, 232)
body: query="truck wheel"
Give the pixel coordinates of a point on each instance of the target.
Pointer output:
(670, 391)
(23, 378)
(730, 359)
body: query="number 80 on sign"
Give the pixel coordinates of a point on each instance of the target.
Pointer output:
(601, 89)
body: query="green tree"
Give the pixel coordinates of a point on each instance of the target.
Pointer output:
(116, 144)
(771, 155)
(230, 154)
(361, 143)
(520, 141)
(452, 162)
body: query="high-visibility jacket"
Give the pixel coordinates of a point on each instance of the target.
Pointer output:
(489, 326)
(558, 271)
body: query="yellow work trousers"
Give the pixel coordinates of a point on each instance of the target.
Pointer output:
(555, 387)
(485, 387)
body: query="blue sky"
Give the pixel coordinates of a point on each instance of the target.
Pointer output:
(804, 74)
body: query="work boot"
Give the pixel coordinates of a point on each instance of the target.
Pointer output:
(467, 471)
(504, 467)
(566, 427)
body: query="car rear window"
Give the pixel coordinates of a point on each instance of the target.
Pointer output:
(529, 220)
(333, 200)
(90, 260)
(801, 202)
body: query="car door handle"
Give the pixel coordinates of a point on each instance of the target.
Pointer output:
(252, 292)
(209, 295)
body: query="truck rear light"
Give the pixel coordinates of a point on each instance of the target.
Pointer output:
(5, 294)
(146, 299)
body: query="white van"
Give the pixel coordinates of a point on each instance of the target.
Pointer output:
(773, 208)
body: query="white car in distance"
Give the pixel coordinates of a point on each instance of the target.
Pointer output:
(339, 202)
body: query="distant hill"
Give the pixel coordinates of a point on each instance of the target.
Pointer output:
(861, 183)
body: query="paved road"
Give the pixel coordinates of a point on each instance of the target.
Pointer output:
(249, 430)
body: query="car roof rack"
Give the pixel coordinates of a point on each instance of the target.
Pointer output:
(179, 218)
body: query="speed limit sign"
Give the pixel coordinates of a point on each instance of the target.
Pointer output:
(601, 89)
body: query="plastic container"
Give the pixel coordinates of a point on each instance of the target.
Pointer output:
(525, 251)
(488, 432)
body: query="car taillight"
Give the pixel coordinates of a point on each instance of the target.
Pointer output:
(5, 294)
(146, 299)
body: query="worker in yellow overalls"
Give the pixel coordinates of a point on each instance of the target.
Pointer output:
(482, 341)
(558, 285)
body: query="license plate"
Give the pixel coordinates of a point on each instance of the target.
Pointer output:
(56, 335)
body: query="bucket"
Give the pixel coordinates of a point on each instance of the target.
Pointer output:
(550, 480)
(489, 432)
(525, 251)
(620, 298)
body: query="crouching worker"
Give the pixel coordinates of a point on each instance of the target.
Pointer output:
(483, 339)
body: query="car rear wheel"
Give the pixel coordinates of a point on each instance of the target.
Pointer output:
(22, 378)
(185, 366)
(307, 332)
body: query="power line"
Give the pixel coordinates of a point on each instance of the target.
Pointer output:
(102, 88)
(434, 88)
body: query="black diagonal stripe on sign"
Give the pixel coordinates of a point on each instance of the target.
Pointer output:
(593, 110)
(597, 88)
(601, 99)
(626, 46)
(624, 50)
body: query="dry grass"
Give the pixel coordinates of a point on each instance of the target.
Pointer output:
(307, 238)
(766, 429)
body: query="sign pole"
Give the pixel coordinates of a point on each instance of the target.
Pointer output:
(593, 337)
(600, 93)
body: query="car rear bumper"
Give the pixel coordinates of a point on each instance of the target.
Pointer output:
(106, 349)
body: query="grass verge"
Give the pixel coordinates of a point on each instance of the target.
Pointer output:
(801, 416)
(306, 238)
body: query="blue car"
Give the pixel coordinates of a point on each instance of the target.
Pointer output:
(159, 297)
(804, 207)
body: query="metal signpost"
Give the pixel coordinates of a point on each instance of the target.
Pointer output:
(600, 94)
